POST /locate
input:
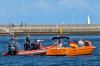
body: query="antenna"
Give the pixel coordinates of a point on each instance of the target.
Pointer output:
(88, 19)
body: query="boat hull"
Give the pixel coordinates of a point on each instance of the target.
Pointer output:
(31, 52)
(70, 51)
(28, 52)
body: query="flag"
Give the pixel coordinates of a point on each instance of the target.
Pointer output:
(73, 44)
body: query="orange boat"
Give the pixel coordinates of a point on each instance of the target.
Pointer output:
(70, 51)
(41, 51)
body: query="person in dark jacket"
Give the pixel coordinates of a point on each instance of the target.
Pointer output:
(12, 49)
(28, 39)
(33, 45)
(26, 46)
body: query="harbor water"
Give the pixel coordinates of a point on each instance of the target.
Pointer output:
(83, 60)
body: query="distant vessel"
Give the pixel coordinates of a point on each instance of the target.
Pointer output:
(88, 19)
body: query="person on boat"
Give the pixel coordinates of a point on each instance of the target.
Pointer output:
(33, 45)
(87, 43)
(14, 43)
(27, 43)
(59, 43)
(80, 43)
(38, 42)
(72, 43)
(12, 46)
(26, 46)
(28, 39)
(14, 37)
(12, 50)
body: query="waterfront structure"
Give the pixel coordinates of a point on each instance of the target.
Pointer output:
(51, 29)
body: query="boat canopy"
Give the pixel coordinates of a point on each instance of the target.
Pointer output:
(61, 37)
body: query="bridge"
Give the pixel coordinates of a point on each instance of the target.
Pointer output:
(51, 29)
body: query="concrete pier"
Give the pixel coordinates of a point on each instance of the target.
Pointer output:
(51, 29)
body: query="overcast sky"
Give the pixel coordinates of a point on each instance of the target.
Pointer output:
(49, 11)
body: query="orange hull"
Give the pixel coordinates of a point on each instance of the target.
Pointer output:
(70, 51)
